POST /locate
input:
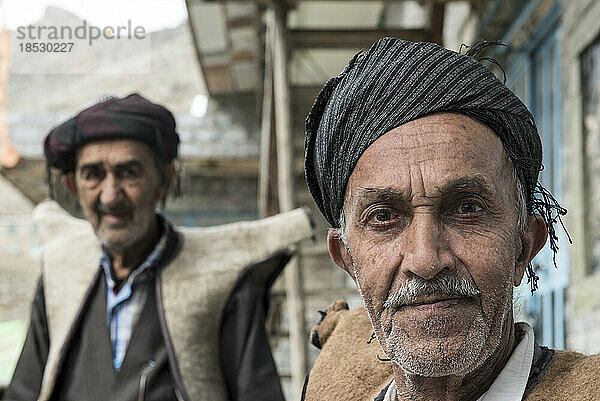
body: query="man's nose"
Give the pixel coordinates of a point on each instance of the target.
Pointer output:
(424, 248)
(112, 190)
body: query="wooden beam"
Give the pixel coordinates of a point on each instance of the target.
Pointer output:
(218, 79)
(436, 23)
(242, 55)
(351, 38)
(188, 5)
(240, 22)
(277, 22)
(220, 167)
(267, 179)
(282, 106)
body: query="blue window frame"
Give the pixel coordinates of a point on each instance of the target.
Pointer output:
(535, 76)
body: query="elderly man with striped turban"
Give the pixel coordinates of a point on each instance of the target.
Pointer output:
(426, 166)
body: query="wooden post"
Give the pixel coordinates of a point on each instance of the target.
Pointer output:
(267, 185)
(436, 22)
(277, 18)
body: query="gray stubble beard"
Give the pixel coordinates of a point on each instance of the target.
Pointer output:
(432, 362)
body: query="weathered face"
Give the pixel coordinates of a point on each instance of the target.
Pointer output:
(433, 242)
(117, 184)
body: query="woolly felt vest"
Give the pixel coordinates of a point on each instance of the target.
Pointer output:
(348, 367)
(195, 286)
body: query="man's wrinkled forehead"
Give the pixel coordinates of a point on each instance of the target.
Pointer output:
(418, 136)
(445, 142)
(115, 154)
(476, 184)
(396, 82)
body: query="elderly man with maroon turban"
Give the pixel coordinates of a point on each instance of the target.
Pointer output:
(130, 307)
(426, 166)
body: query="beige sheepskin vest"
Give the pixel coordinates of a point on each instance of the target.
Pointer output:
(196, 285)
(348, 367)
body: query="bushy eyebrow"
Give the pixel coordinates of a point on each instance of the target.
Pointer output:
(365, 195)
(119, 166)
(475, 184)
(469, 184)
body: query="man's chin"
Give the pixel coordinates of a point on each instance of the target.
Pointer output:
(440, 360)
(108, 224)
(424, 327)
(438, 348)
(117, 239)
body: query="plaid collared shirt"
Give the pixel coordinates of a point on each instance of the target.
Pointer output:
(123, 306)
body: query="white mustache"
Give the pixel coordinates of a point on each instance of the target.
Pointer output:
(416, 289)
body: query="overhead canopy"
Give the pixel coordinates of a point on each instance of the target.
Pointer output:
(323, 36)
(228, 44)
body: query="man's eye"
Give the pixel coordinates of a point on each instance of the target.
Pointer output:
(469, 208)
(382, 216)
(92, 174)
(128, 173)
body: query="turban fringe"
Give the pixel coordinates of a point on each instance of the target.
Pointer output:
(398, 81)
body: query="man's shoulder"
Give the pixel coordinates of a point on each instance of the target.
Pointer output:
(56, 225)
(70, 248)
(339, 314)
(245, 242)
(571, 375)
(350, 364)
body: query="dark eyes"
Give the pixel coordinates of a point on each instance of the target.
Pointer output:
(468, 208)
(127, 173)
(98, 174)
(382, 215)
(464, 211)
(91, 174)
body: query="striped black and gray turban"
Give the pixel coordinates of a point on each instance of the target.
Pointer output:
(395, 82)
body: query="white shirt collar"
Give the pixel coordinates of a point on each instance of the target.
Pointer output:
(510, 383)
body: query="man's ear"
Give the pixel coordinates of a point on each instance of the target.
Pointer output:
(168, 176)
(533, 240)
(338, 251)
(69, 180)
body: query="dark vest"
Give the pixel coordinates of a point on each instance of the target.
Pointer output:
(87, 372)
(191, 293)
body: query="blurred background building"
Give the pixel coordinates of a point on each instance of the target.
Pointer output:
(240, 77)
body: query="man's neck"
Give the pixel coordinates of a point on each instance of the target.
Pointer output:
(455, 387)
(124, 261)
